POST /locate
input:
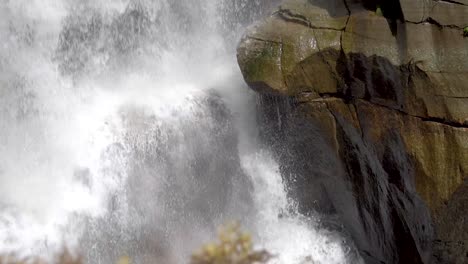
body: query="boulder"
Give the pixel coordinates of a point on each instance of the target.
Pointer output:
(385, 87)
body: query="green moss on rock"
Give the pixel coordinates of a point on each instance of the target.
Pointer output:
(260, 63)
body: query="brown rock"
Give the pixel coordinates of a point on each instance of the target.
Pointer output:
(388, 89)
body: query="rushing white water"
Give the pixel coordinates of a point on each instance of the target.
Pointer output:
(126, 129)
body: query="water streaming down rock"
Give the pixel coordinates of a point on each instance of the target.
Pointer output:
(123, 131)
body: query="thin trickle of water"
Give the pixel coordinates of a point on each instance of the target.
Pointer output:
(126, 129)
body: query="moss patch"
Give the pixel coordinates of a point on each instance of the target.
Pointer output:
(261, 63)
(258, 66)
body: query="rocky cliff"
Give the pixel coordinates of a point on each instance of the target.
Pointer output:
(366, 105)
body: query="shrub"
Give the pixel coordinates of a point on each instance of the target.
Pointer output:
(465, 32)
(233, 247)
(64, 258)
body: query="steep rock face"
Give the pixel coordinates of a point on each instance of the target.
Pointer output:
(385, 85)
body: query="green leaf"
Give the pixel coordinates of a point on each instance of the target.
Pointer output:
(379, 11)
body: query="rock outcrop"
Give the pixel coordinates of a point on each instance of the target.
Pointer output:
(384, 85)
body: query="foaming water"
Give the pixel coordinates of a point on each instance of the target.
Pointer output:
(126, 129)
(280, 229)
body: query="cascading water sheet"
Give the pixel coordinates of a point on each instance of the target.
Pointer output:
(126, 129)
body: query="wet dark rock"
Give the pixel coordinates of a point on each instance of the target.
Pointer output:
(452, 245)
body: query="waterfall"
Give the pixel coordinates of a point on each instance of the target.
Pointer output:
(126, 129)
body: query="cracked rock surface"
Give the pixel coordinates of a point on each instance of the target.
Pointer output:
(386, 84)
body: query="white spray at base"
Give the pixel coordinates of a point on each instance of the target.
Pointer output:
(105, 132)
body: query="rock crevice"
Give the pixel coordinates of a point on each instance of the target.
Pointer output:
(324, 96)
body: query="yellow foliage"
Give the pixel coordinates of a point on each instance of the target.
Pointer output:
(233, 247)
(64, 258)
(124, 260)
